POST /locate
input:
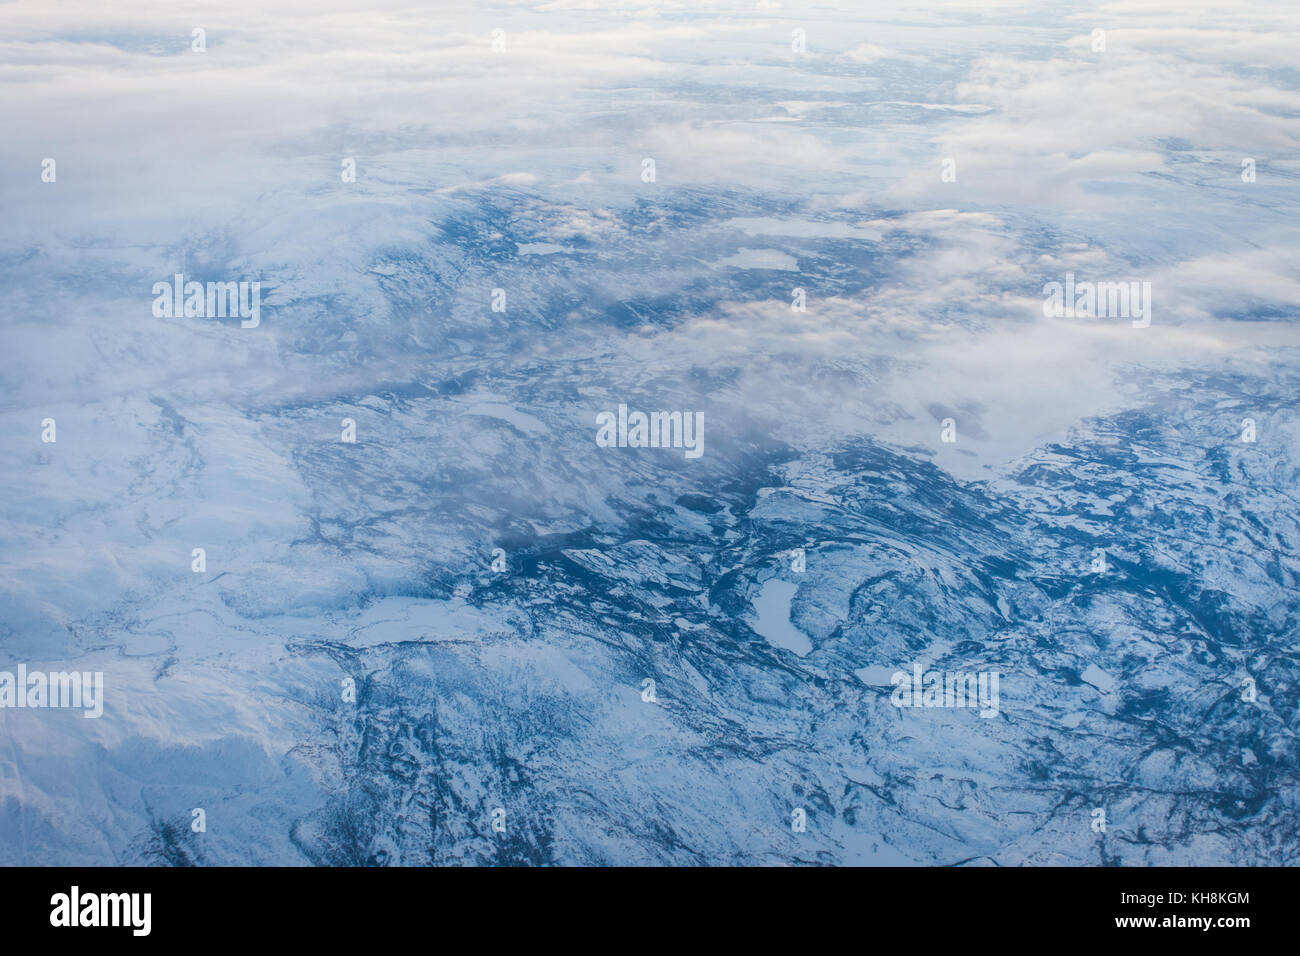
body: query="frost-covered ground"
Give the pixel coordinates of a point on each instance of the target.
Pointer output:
(348, 679)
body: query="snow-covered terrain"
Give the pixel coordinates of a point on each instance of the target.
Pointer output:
(473, 635)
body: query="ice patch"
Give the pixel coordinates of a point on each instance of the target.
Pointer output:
(507, 413)
(876, 675)
(761, 259)
(1099, 679)
(773, 608)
